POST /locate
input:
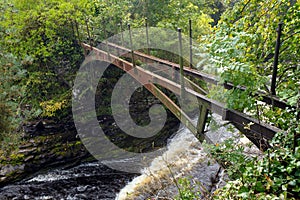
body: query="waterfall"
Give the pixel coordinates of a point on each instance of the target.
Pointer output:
(185, 156)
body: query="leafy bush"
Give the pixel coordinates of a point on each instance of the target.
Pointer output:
(275, 176)
(241, 51)
(187, 190)
(231, 155)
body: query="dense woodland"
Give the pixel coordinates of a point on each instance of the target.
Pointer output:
(41, 53)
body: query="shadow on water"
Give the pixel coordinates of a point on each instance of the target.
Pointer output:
(95, 180)
(86, 181)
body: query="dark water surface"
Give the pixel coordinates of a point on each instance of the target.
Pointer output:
(85, 181)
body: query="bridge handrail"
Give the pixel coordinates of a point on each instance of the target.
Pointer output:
(269, 99)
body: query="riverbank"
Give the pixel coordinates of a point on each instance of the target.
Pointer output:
(45, 145)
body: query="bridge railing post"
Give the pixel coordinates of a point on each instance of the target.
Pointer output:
(122, 36)
(106, 44)
(88, 32)
(191, 43)
(147, 36)
(181, 63)
(77, 32)
(275, 65)
(131, 46)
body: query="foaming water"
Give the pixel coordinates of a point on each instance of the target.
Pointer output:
(85, 181)
(48, 177)
(185, 157)
(184, 151)
(58, 174)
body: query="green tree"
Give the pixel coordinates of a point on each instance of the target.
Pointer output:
(46, 33)
(10, 90)
(260, 20)
(241, 51)
(106, 18)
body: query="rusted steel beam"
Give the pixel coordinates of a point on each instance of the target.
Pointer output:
(195, 87)
(257, 139)
(190, 84)
(184, 118)
(245, 123)
(271, 100)
(257, 127)
(164, 69)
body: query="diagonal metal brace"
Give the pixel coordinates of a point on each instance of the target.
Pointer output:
(183, 117)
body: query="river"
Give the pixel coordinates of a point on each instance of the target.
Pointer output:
(185, 157)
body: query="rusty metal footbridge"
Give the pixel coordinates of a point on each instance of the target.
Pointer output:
(165, 74)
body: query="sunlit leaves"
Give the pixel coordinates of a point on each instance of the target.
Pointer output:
(36, 28)
(50, 107)
(106, 17)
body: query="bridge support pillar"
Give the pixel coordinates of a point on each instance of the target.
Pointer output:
(203, 114)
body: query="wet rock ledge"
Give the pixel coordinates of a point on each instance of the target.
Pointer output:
(45, 145)
(48, 144)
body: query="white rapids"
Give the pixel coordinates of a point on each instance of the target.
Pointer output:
(185, 157)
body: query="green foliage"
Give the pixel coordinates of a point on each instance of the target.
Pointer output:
(174, 13)
(10, 91)
(241, 51)
(38, 30)
(106, 16)
(275, 176)
(45, 37)
(177, 14)
(187, 190)
(264, 24)
(284, 119)
(9, 142)
(231, 155)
